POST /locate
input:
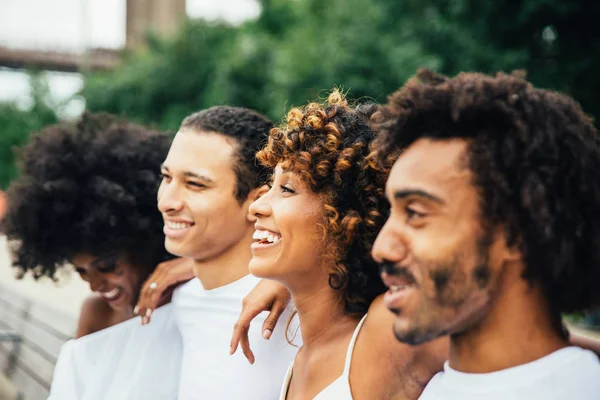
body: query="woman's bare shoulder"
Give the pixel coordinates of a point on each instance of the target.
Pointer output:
(407, 368)
(95, 315)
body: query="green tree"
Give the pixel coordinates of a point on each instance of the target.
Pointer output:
(556, 41)
(295, 49)
(17, 125)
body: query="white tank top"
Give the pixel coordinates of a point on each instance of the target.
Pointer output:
(338, 389)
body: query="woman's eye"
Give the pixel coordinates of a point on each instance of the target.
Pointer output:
(107, 268)
(165, 176)
(286, 189)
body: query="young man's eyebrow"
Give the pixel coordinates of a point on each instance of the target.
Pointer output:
(189, 174)
(404, 193)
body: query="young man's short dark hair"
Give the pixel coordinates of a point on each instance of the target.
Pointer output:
(248, 128)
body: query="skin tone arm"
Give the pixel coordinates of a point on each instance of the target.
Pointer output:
(273, 297)
(266, 296)
(166, 277)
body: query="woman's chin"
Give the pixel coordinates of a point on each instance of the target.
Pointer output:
(261, 269)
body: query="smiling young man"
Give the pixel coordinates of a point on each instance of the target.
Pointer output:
(494, 232)
(210, 178)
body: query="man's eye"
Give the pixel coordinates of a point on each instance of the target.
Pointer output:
(165, 176)
(412, 214)
(196, 184)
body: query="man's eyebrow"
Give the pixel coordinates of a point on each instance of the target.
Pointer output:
(189, 174)
(404, 193)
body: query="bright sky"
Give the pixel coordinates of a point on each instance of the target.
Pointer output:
(71, 24)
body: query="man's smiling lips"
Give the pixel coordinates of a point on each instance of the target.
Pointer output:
(401, 284)
(176, 228)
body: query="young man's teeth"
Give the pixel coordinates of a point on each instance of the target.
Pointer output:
(397, 288)
(177, 225)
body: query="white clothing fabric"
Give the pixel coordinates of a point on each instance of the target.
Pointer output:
(205, 319)
(569, 373)
(338, 389)
(125, 361)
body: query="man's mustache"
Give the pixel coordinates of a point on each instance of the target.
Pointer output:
(392, 269)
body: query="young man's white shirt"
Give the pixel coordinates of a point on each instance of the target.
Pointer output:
(125, 361)
(205, 319)
(570, 373)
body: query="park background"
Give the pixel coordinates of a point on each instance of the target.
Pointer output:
(156, 61)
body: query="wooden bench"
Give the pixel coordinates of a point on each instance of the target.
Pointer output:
(29, 361)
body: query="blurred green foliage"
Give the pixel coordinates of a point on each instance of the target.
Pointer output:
(17, 125)
(297, 49)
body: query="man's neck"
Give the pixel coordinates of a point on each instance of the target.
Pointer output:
(518, 329)
(227, 267)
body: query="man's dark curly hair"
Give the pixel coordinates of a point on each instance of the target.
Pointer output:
(535, 158)
(327, 145)
(87, 187)
(248, 128)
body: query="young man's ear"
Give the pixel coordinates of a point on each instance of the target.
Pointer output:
(252, 197)
(261, 191)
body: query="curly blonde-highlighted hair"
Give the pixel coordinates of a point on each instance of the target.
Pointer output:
(328, 145)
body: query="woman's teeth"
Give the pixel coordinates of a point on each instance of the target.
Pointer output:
(111, 295)
(177, 225)
(266, 236)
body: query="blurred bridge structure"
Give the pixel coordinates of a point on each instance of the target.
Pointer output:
(160, 16)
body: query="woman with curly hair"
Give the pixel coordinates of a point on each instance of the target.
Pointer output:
(87, 196)
(314, 232)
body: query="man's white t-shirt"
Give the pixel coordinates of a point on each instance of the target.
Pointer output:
(570, 373)
(125, 361)
(205, 319)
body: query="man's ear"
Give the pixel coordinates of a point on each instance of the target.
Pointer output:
(259, 192)
(254, 195)
(511, 251)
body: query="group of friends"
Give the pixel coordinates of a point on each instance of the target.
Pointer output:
(425, 248)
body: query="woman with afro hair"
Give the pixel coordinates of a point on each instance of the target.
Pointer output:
(86, 196)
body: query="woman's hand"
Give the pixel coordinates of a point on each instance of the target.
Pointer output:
(266, 296)
(160, 285)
